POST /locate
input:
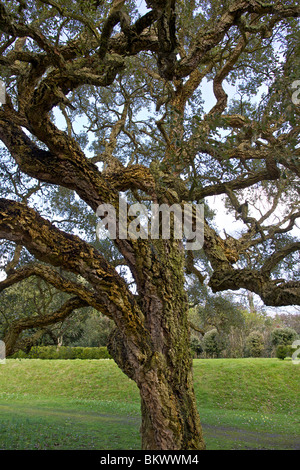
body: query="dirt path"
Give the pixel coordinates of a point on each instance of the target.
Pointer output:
(239, 439)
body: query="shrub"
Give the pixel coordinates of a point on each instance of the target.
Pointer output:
(43, 352)
(283, 351)
(283, 336)
(255, 344)
(64, 352)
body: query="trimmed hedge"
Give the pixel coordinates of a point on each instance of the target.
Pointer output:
(283, 336)
(64, 352)
(283, 351)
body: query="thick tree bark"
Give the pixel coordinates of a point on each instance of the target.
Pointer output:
(170, 419)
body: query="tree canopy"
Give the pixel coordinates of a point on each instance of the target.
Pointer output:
(109, 98)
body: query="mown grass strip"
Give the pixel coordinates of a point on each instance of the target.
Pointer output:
(91, 404)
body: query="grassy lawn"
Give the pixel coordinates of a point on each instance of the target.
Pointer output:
(91, 404)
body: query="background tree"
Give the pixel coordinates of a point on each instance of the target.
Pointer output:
(290, 320)
(284, 336)
(95, 330)
(255, 344)
(103, 102)
(221, 312)
(213, 343)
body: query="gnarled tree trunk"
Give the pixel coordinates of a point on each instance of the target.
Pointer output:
(170, 419)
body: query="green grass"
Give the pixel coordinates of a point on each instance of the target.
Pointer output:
(91, 404)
